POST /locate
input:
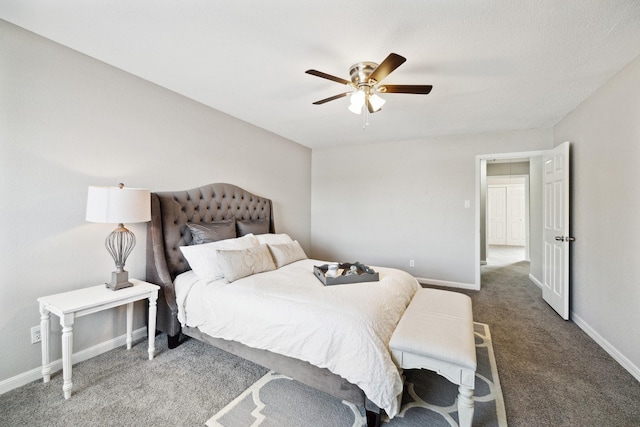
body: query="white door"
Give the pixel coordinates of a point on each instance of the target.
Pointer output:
(555, 289)
(496, 199)
(515, 215)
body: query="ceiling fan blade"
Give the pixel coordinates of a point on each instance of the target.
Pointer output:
(328, 77)
(332, 98)
(389, 64)
(415, 89)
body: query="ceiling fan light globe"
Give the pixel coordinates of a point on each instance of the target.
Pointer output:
(357, 101)
(355, 109)
(358, 98)
(376, 102)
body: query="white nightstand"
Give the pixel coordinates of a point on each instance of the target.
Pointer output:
(69, 305)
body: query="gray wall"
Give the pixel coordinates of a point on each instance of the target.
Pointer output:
(68, 121)
(605, 150)
(388, 203)
(483, 211)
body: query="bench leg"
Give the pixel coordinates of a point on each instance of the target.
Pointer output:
(465, 406)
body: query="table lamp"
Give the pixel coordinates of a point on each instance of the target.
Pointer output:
(119, 205)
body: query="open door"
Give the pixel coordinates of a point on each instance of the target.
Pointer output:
(555, 289)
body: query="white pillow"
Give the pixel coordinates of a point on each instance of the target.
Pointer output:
(203, 259)
(273, 239)
(236, 264)
(287, 253)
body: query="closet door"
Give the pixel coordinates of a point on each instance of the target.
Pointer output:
(515, 215)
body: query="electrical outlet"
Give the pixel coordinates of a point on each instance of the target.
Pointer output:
(35, 334)
(412, 263)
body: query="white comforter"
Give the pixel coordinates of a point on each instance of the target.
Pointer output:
(344, 328)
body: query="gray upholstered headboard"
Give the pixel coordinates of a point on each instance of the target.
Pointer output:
(167, 231)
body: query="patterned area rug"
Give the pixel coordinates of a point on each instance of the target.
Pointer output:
(428, 400)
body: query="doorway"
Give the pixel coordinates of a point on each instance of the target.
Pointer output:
(549, 207)
(507, 169)
(507, 208)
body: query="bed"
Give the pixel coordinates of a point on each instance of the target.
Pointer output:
(210, 308)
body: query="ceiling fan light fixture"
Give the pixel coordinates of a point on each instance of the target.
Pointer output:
(355, 109)
(376, 102)
(358, 98)
(357, 101)
(366, 78)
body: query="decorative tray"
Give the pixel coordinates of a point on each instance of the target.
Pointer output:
(345, 273)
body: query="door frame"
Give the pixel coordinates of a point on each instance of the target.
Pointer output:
(481, 175)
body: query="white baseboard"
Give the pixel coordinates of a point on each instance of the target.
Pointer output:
(36, 374)
(619, 357)
(536, 281)
(448, 284)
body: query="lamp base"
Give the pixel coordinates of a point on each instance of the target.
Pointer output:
(119, 280)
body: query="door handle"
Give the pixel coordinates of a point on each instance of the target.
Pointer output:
(565, 239)
(560, 238)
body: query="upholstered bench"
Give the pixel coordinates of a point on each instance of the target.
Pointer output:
(436, 333)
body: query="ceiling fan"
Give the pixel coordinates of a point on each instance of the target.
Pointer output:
(365, 84)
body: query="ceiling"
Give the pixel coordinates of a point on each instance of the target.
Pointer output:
(494, 65)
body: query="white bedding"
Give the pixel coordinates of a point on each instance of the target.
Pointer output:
(344, 328)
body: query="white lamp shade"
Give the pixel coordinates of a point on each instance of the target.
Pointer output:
(376, 102)
(357, 99)
(115, 205)
(356, 109)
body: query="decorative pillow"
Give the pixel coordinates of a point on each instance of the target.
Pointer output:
(254, 226)
(287, 253)
(203, 259)
(274, 239)
(236, 264)
(207, 232)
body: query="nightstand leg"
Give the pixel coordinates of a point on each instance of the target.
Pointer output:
(67, 352)
(129, 325)
(153, 297)
(44, 345)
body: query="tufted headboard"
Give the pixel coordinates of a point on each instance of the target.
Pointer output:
(167, 231)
